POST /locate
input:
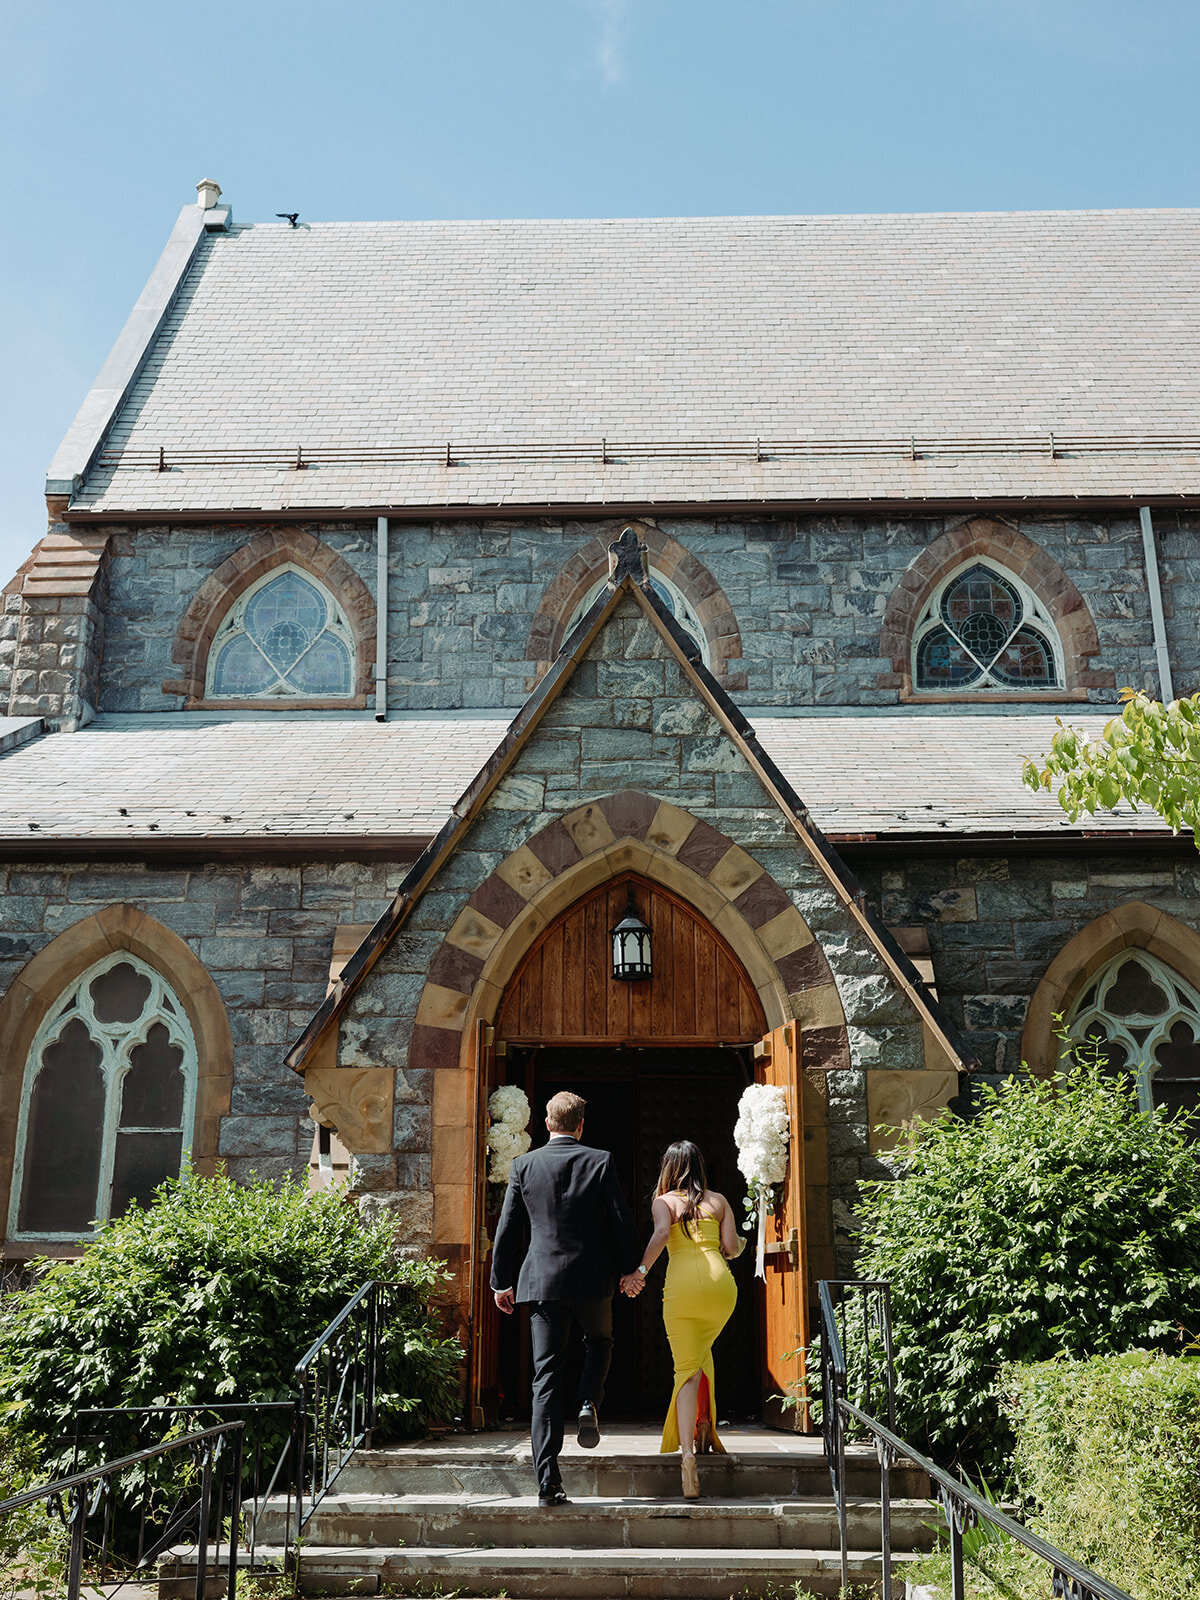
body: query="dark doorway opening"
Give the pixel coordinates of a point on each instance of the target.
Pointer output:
(639, 1100)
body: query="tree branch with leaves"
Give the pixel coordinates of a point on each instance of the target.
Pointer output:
(1148, 756)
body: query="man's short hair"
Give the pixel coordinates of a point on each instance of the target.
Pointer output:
(564, 1111)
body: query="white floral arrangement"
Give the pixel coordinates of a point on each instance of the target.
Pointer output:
(761, 1135)
(508, 1118)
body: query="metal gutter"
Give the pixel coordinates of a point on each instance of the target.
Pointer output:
(83, 439)
(381, 618)
(1166, 689)
(909, 506)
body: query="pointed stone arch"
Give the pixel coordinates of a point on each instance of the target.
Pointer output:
(667, 557)
(42, 980)
(624, 832)
(276, 547)
(1134, 925)
(1013, 550)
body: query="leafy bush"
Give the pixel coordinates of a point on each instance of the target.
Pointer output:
(1059, 1221)
(213, 1292)
(1109, 1451)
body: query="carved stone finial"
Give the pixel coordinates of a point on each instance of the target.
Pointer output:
(628, 558)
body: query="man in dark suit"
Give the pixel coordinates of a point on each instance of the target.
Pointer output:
(581, 1237)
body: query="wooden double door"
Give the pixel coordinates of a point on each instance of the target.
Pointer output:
(669, 1063)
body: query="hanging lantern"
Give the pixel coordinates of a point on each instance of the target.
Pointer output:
(631, 945)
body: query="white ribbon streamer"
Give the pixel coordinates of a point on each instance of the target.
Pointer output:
(760, 1263)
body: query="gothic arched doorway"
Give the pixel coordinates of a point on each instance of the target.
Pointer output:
(657, 1060)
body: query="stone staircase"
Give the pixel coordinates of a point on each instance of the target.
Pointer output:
(460, 1515)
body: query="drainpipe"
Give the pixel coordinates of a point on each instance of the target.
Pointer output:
(381, 618)
(1150, 555)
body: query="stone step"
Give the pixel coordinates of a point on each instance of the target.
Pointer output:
(602, 1522)
(562, 1573)
(795, 1473)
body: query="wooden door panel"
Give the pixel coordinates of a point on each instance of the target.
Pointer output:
(785, 1292)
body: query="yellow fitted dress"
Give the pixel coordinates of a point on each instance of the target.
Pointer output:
(698, 1300)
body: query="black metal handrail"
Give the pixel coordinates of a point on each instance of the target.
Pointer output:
(962, 1506)
(337, 1388)
(256, 1486)
(76, 1498)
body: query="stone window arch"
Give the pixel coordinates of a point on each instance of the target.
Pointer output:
(108, 1103)
(684, 582)
(1052, 609)
(111, 1008)
(983, 629)
(1142, 1017)
(317, 611)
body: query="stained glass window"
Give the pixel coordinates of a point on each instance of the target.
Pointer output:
(1140, 1016)
(672, 597)
(109, 1100)
(285, 637)
(983, 629)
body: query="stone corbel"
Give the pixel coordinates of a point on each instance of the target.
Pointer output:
(356, 1102)
(898, 1100)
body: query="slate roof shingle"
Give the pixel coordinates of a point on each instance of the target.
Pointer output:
(194, 777)
(523, 345)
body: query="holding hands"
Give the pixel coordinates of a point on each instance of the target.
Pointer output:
(632, 1284)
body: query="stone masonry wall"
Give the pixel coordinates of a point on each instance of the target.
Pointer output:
(626, 719)
(996, 923)
(808, 594)
(265, 934)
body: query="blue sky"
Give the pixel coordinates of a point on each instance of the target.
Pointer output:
(109, 114)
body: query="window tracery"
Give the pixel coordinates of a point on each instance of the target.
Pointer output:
(108, 1100)
(1142, 1018)
(671, 596)
(285, 637)
(982, 628)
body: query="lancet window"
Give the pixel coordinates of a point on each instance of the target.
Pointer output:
(108, 1101)
(1141, 1017)
(983, 629)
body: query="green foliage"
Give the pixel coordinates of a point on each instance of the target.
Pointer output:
(1109, 1451)
(1149, 755)
(213, 1292)
(1060, 1220)
(33, 1542)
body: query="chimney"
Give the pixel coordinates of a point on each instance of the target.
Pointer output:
(208, 192)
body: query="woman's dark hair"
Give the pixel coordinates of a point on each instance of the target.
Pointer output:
(682, 1172)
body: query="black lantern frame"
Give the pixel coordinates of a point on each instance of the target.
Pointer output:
(631, 946)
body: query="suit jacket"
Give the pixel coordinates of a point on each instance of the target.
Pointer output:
(581, 1232)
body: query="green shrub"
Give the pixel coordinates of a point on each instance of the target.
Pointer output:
(1060, 1220)
(213, 1292)
(1109, 1452)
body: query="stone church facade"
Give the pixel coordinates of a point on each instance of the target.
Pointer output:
(416, 596)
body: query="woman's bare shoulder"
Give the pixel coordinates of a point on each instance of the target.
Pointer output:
(716, 1201)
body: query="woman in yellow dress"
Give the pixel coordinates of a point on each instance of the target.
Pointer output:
(697, 1226)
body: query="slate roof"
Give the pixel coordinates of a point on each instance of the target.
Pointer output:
(833, 348)
(906, 773)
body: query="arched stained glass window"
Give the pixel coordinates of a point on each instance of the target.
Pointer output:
(1142, 1017)
(671, 596)
(109, 1101)
(285, 637)
(984, 629)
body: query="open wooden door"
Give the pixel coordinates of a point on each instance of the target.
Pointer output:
(785, 1293)
(484, 1396)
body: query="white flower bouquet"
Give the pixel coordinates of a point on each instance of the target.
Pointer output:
(508, 1118)
(761, 1135)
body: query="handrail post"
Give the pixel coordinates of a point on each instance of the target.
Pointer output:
(885, 1517)
(957, 1585)
(77, 1500)
(372, 1359)
(202, 1529)
(235, 1516)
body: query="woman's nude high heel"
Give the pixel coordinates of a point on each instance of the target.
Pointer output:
(691, 1478)
(704, 1444)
